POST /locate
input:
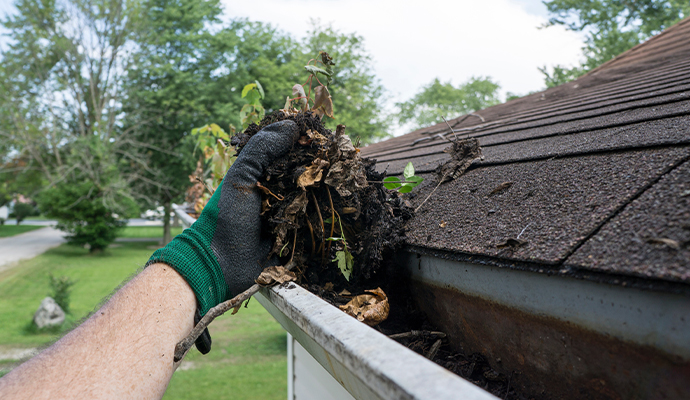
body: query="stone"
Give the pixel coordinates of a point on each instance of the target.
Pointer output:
(49, 314)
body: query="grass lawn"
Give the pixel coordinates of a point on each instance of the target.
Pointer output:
(146, 232)
(11, 230)
(248, 360)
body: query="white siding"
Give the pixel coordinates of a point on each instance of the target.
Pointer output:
(308, 380)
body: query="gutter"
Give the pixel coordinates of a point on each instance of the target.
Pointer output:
(365, 362)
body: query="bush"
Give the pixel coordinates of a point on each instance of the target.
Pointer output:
(81, 212)
(23, 210)
(61, 288)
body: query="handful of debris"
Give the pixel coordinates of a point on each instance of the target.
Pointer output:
(326, 206)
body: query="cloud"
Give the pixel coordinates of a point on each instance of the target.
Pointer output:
(414, 42)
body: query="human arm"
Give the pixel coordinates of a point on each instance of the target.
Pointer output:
(124, 350)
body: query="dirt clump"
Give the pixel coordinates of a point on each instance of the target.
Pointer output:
(325, 207)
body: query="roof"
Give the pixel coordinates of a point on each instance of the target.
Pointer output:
(593, 175)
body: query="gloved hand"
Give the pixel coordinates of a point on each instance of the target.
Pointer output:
(222, 253)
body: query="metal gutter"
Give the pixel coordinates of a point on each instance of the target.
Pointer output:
(557, 335)
(365, 362)
(185, 218)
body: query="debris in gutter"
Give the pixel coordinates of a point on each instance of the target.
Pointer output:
(276, 274)
(372, 308)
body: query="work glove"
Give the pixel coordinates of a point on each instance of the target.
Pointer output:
(223, 252)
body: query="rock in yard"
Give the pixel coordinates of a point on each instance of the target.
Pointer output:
(49, 314)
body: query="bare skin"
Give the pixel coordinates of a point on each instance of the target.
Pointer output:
(124, 350)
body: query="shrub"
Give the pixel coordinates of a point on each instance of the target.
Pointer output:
(61, 288)
(81, 211)
(23, 210)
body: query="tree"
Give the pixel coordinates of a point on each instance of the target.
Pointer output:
(438, 100)
(62, 77)
(612, 27)
(170, 91)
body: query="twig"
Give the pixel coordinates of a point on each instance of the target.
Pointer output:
(414, 334)
(210, 189)
(323, 229)
(523, 230)
(268, 191)
(330, 200)
(432, 192)
(505, 396)
(434, 349)
(185, 344)
(294, 243)
(449, 127)
(311, 231)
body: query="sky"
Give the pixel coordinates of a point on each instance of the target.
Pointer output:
(413, 42)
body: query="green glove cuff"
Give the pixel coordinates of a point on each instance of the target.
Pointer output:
(190, 254)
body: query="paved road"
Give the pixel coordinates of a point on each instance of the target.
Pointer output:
(28, 245)
(130, 222)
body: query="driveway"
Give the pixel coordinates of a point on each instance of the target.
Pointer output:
(28, 245)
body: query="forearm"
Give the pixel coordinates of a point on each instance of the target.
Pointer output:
(125, 350)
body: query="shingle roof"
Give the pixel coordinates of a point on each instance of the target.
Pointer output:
(598, 171)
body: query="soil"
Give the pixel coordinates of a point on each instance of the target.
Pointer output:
(340, 188)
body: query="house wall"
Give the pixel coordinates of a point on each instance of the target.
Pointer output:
(307, 379)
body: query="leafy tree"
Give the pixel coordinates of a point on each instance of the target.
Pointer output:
(23, 210)
(170, 90)
(62, 78)
(437, 100)
(611, 26)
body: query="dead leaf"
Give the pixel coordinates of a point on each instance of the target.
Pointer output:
(511, 243)
(371, 308)
(276, 274)
(442, 224)
(295, 210)
(313, 174)
(317, 137)
(236, 309)
(344, 293)
(463, 152)
(346, 177)
(323, 104)
(668, 242)
(503, 186)
(328, 286)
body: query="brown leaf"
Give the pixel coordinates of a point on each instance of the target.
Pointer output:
(462, 153)
(323, 104)
(371, 308)
(328, 286)
(344, 293)
(511, 243)
(668, 242)
(313, 174)
(277, 274)
(503, 186)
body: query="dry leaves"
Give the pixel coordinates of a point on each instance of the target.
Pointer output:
(323, 104)
(277, 274)
(371, 308)
(313, 174)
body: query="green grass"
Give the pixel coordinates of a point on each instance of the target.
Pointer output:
(146, 232)
(248, 360)
(11, 230)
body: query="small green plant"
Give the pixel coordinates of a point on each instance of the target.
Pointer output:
(406, 186)
(321, 103)
(344, 258)
(61, 289)
(252, 112)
